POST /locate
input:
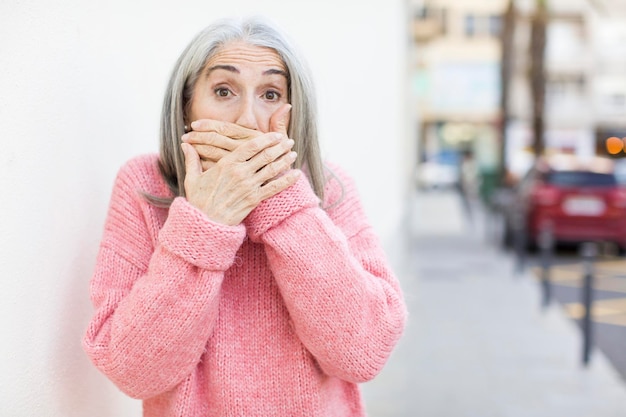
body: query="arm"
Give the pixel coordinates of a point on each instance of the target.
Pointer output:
(155, 306)
(345, 303)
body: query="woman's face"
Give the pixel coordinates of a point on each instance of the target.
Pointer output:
(242, 84)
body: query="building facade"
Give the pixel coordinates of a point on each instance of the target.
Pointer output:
(458, 81)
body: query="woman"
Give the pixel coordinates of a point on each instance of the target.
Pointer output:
(237, 275)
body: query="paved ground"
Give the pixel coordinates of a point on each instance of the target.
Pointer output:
(478, 343)
(609, 300)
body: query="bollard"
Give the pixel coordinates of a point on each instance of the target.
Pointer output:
(546, 244)
(588, 251)
(519, 229)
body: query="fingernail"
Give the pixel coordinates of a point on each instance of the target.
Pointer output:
(290, 142)
(293, 156)
(194, 124)
(185, 137)
(278, 136)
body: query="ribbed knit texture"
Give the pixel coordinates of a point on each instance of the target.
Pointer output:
(282, 315)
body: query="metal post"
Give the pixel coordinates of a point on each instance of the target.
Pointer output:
(519, 225)
(589, 251)
(546, 243)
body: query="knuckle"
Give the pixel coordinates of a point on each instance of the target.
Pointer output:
(273, 170)
(252, 199)
(197, 137)
(272, 185)
(232, 144)
(254, 146)
(212, 151)
(266, 156)
(209, 138)
(239, 174)
(275, 187)
(222, 129)
(202, 150)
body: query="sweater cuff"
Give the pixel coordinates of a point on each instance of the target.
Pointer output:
(272, 211)
(188, 233)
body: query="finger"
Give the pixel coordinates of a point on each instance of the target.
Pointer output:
(272, 153)
(279, 121)
(211, 138)
(256, 146)
(279, 184)
(206, 164)
(193, 167)
(211, 153)
(276, 168)
(227, 129)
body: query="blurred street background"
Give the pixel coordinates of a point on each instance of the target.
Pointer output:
(480, 341)
(513, 255)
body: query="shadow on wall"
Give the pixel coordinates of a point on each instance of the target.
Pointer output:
(81, 390)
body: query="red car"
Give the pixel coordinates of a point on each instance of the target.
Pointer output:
(579, 200)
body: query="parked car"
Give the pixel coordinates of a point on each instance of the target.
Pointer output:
(577, 199)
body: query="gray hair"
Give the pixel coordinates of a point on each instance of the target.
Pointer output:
(303, 120)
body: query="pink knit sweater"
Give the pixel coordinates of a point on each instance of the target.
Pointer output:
(280, 316)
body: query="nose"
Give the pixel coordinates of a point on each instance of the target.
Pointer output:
(246, 115)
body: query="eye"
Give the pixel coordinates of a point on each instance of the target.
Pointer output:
(272, 95)
(222, 92)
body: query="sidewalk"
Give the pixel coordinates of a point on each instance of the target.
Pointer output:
(478, 343)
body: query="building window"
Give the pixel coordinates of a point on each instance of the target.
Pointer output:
(565, 87)
(422, 13)
(470, 25)
(443, 18)
(482, 25)
(495, 25)
(436, 16)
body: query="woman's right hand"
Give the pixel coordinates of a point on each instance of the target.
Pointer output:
(254, 171)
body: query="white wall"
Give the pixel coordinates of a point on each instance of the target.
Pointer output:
(81, 86)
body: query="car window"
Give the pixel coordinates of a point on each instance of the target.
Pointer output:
(580, 179)
(620, 171)
(447, 158)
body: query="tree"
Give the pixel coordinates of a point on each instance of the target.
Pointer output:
(539, 21)
(506, 70)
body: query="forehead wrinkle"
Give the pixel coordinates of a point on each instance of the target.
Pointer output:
(231, 54)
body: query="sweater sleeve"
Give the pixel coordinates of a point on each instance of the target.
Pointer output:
(345, 303)
(156, 304)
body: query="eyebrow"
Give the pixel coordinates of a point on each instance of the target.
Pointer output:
(231, 68)
(273, 71)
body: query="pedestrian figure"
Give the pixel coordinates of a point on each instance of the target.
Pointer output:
(468, 185)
